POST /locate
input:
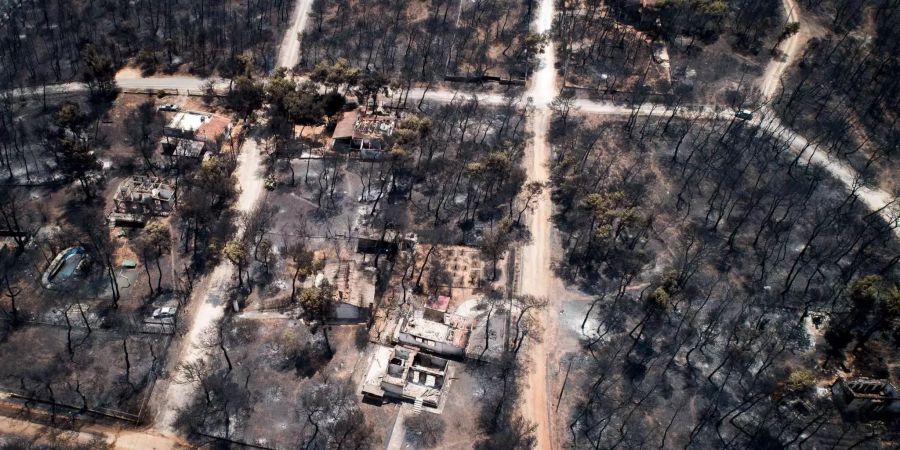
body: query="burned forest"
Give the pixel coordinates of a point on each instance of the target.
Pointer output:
(449, 224)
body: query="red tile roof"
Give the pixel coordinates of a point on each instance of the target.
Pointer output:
(347, 125)
(213, 128)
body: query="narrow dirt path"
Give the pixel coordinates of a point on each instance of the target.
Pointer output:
(536, 275)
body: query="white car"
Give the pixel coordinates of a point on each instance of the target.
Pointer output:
(743, 114)
(169, 107)
(164, 312)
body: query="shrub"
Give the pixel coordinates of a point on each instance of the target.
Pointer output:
(801, 380)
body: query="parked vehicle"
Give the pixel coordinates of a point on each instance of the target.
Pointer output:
(743, 114)
(164, 312)
(168, 107)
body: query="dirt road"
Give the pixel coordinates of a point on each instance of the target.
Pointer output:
(214, 292)
(536, 275)
(288, 55)
(123, 439)
(877, 200)
(289, 51)
(790, 49)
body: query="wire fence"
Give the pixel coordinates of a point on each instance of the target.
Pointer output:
(107, 413)
(134, 418)
(165, 91)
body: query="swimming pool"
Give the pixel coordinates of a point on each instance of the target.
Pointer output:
(64, 265)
